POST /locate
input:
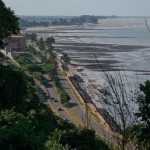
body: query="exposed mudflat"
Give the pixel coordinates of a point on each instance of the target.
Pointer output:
(95, 56)
(113, 44)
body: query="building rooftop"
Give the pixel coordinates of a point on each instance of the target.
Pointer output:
(17, 36)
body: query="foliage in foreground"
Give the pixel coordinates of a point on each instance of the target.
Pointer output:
(121, 100)
(142, 135)
(141, 131)
(26, 123)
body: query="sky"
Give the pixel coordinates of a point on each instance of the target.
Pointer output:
(79, 7)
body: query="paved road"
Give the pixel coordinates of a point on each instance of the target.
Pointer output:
(79, 112)
(74, 105)
(55, 100)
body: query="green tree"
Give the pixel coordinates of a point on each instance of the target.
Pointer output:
(16, 90)
(54, 145)
(41, 44)
(144, 104)
(51, 54)
(32, 37)
(66, 58)
(17, 132)
(49, 41)
(9, 23)
(13, 87)
(80, 139)
(22, 60)
(144, 115)
(33, 68)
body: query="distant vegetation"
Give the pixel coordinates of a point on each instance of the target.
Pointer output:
(28, 22)
(75, 20)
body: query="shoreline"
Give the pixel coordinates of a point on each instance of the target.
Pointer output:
(112, 57)
(53, 27)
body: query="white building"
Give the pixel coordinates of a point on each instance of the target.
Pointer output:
(16, 44)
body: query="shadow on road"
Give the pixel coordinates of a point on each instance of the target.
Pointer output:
(65, 87)
(62, 79)
(49, 85)
(44, 95)
(73, 105)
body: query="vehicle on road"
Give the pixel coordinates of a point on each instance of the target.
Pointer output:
(66, 119)
(59, 108)
(55, 100)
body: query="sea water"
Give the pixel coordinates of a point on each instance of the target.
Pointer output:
(119, 43)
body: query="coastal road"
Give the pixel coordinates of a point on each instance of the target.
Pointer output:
(73, 103)
(55, 100)
(74, 106)
(81, 114)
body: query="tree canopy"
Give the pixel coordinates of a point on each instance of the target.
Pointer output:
(66, 58)
(12, 86)
(26, 123)
(8, 23)
(143, 114)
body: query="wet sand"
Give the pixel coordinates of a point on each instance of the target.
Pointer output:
(93, 56)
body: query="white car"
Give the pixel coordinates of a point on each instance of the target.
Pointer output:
(66, 119)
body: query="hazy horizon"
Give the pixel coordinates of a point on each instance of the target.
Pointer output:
(77, 7)
(83, 15)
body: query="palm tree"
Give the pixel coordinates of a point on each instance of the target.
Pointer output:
(41, 44)
(49, 42)
(66, 59)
